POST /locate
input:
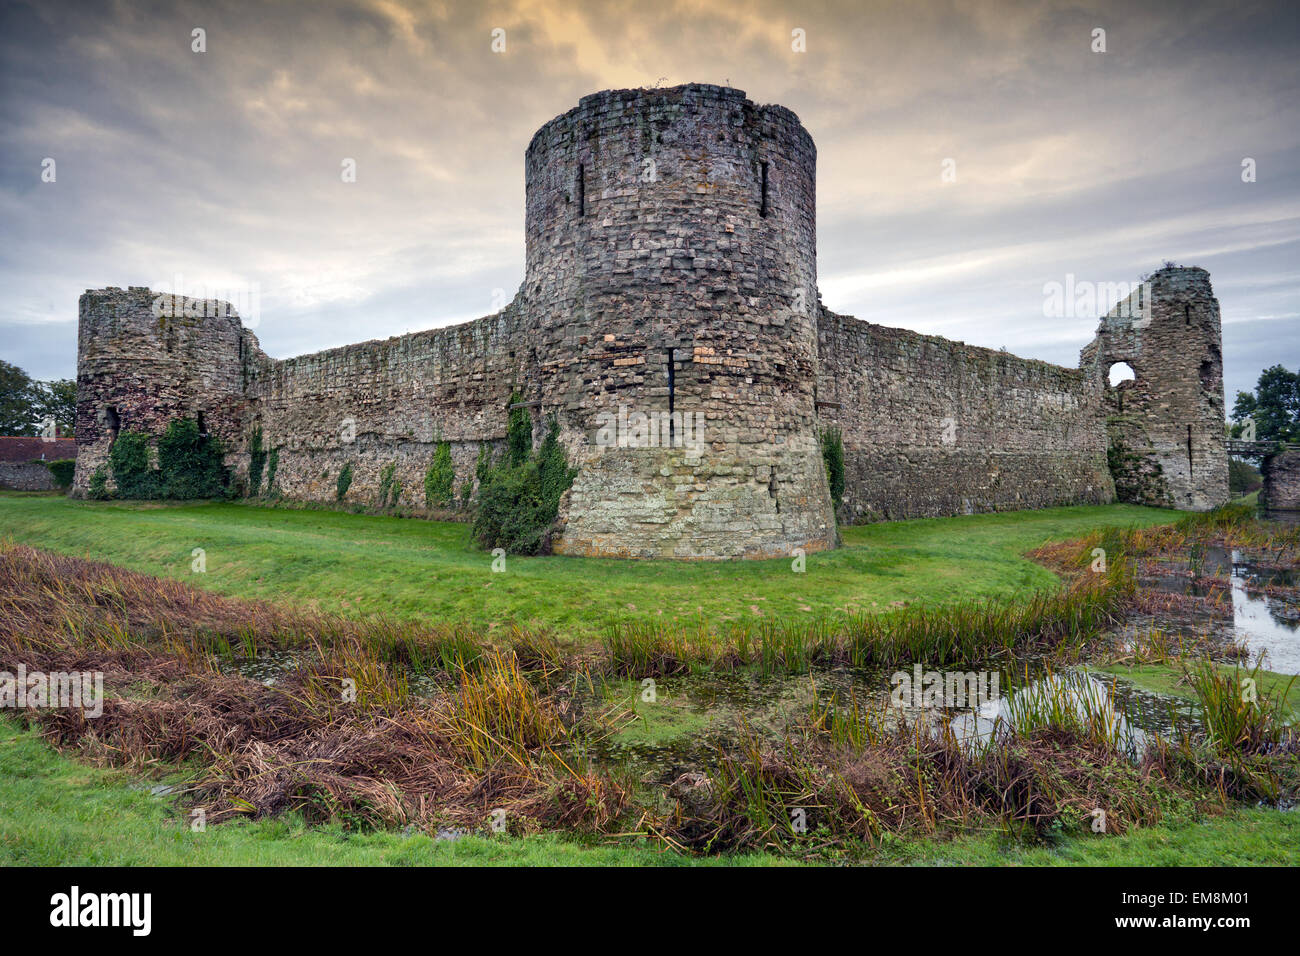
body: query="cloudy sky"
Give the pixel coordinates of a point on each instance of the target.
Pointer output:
(223, 167)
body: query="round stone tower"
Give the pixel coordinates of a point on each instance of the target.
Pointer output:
(671, 280)
(144, 359)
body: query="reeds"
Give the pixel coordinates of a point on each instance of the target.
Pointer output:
(847, 778)
(1236, 715)
(965, 633)
(499, 715)
(340, 735)
(1072, 703)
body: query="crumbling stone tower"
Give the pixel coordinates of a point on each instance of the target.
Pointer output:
(671, 263)
(1165, 426)
(145, 358)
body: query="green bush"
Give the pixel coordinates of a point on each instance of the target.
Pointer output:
(518, 502)
(129, 461)
(97, 489)
(344, 481)
(440, 479)
(62, 470)
(833, 456)
(189, 463)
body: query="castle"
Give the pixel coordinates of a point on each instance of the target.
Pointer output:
(669, 320)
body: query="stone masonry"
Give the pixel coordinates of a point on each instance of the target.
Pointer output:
(1165, 425)
(670, 278)
(1281, 489)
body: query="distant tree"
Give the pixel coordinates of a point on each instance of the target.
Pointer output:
(19, 401)
(1243, 477)
(58, 400)
(1274, 406)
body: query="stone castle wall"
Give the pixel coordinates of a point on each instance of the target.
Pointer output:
(389, 401)
(26, 476)
(1281, 489)
(934, 427)
(670, 273)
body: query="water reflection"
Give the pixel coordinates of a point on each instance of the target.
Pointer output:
(1266, 623)
(1249, 611)
(1122, 712)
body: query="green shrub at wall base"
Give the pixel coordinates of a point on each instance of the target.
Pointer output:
(272, 464)
(62, 470)
(389, 488)
(128, 459)
(518, 503)
(344, 481)
(97, 488)
(190, 463)
(256, 462)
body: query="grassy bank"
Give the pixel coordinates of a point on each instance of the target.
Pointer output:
(58, 812)
(358, 565)
(62, 813)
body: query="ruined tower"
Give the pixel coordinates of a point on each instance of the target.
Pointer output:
(1165, 425)
(144, 359)
(671, 265)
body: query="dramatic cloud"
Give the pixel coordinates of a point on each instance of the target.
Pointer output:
(224, 167)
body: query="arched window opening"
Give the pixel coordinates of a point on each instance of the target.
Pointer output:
(1120, 372)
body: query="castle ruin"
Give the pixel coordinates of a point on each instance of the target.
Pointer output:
(671, 278)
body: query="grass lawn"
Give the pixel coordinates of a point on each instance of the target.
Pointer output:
(360, 564)
(58, 812)
(1244, 837)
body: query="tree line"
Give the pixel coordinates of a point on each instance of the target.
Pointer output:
(27, 403)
